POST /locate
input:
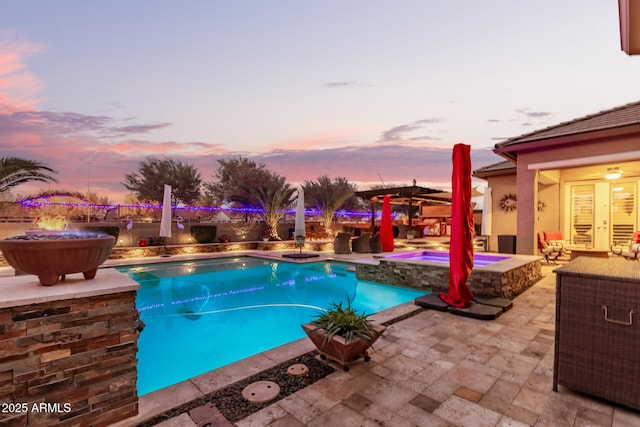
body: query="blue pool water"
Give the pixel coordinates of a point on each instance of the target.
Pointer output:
(201, 315)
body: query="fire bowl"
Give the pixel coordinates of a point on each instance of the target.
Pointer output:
(51, 256)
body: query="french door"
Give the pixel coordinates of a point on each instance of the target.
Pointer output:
(624, 211)
(601, 213)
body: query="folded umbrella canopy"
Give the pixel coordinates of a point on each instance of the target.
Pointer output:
(461, 245)
(386, 226)
(299, 229)
(165, 221)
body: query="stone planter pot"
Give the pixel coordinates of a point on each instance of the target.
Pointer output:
(51, 255)
(338, 349)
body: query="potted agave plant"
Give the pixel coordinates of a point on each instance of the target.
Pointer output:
(343, 334)
(411, 233)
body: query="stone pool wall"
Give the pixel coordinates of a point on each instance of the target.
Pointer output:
(127, 252)
(507, 283)
(150, 251)
(68, 361)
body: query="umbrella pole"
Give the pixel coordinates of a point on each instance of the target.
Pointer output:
(166, 252)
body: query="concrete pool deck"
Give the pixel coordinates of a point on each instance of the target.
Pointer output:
(430, 369)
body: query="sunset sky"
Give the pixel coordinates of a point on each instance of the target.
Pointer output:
(361, 89)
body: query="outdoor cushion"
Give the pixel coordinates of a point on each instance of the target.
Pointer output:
(632, 253)
(551, 250)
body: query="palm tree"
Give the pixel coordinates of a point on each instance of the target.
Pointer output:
(271, 196)
(329, 196)
(15, 171)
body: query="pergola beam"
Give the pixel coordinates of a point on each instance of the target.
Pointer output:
(629, 11)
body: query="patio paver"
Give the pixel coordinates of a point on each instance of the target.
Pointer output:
(439, 369)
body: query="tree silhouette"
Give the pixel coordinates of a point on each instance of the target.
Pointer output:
(15, 171)
(329, 196)
(148, 183)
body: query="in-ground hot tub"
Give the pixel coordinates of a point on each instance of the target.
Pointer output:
(496, 275)
(479, 260)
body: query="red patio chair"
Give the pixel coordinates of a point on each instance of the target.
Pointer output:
(550, 251)
(632, 251)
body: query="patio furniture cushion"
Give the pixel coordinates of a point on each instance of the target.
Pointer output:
(632, 252)
(553, 236)
(551, 251)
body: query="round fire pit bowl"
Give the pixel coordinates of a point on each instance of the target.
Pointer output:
(52, 255)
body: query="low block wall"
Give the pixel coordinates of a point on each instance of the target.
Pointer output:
(68, 361)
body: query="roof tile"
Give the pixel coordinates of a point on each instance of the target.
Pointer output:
(625, 115)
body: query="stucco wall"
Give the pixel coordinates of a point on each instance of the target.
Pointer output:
(549, 215)
(504, 222)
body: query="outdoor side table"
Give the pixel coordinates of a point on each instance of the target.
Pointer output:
(597, 346)
(595, 253)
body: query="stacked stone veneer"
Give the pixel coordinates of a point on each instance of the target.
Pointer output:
(149, 251)
(126, 252)
(74, 359)
(435, 278)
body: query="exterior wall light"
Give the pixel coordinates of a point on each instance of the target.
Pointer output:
(613, 173)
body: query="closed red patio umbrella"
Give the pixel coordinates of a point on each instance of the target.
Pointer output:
(386, 226)
(461, 245)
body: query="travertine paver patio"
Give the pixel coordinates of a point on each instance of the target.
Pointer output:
(437, 369)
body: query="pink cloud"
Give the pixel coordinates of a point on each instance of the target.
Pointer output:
(18, 86)
(96, 152)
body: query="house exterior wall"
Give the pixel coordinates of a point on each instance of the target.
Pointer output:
(527, 183)
(548, 214)
(503, 222)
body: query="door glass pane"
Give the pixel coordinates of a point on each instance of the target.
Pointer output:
(582, 214)
(623, 212)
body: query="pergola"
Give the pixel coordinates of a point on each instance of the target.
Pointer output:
(405, 196)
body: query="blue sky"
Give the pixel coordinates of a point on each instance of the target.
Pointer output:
(360, 89)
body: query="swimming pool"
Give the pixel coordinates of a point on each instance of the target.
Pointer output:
(205, 314)
(479, 260)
